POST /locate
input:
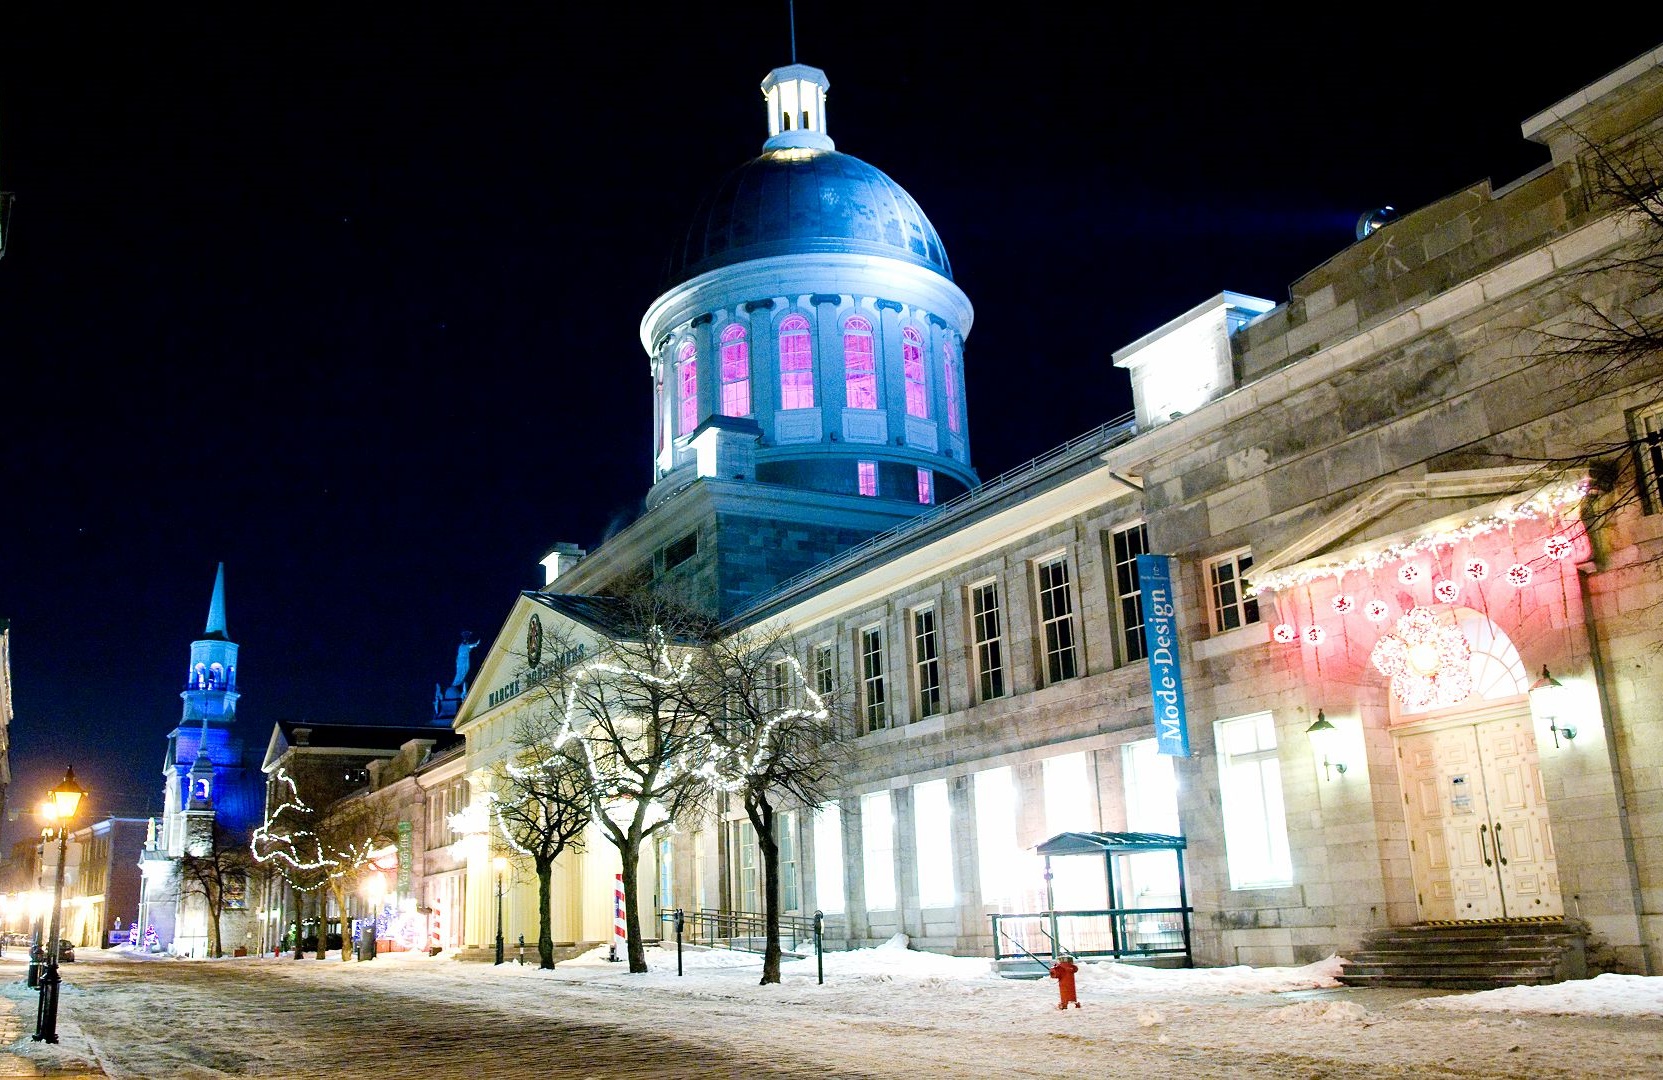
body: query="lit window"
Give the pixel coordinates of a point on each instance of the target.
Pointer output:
(687, 381)
(877, 831)
(825, 675)
(1056, 620)
(1071, 806)
(871, 678)
(828, 858)
(912, 369)
(1250, 787)
(1127, 544)
(1149, 879)
(796, 364)
(932, 836)
(868, 474)
(1649, 442)
(785, 835)
(926, 661)
(990, 665)
(926, 486)
(1232, 607)
(736, 372)
(1012, 877)
(950, 380)
(859, 364)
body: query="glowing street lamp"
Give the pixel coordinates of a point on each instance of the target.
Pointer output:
(500, 864)
(66, 799)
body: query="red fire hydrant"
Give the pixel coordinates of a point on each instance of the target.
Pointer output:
(1063, 971)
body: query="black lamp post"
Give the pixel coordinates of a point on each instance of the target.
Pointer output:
(66, 797)
(500, 864)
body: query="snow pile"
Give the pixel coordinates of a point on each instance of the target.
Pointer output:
(1603, 995)
(1110, 977)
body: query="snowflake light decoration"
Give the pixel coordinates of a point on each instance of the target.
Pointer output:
(1314, 635)
(1519, 575)
(1343, 604)
(1446, 591)
(1557, 546)
(1408, 573)
(1429, 661)
(1285, 632)
(1476, 568)
(1376, 611)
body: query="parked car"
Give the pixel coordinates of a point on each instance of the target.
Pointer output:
(66, 952)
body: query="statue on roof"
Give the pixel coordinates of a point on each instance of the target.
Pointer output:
(464, 657)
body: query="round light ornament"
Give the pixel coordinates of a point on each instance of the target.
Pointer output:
(1376, 611)
(1446, 591)
(1408, 573)
(1557, 546)
(1519, 575)
(1314, 635)
(1343, 604)
(1476, 568)
(1285, 632)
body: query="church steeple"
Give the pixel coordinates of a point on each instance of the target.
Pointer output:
(216, 608)
(211, 681)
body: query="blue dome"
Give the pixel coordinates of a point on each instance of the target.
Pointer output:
(796, 201)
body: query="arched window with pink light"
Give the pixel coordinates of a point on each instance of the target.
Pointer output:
(736, 371)
(687, 388)
(859, 364)
(912, 368)
(796, 364)
(950, 379)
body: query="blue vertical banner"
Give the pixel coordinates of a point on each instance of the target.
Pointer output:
(1160, 631)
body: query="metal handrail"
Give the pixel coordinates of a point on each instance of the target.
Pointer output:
(721, 928)
(1122, 942)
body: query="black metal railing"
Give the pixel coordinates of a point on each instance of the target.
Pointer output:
(746, 931)
(1122, 933)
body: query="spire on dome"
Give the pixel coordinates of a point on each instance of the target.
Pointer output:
(216, 608)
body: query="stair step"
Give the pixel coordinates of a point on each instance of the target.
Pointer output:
(1467, 955)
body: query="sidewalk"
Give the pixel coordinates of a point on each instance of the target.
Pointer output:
(68, 1059)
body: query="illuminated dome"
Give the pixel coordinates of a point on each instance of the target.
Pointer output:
(800, 200)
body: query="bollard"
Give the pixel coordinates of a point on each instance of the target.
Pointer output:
(680, 920)
(522, 950)
(819, 947)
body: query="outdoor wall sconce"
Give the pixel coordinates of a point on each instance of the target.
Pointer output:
(1322, 733)
(1545, 696)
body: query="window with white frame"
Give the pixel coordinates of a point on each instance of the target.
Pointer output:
(1125, 545)
(700, 864)
(1227, 584)
(736, 371)
(687, 388)
(932, 822)
(1056, 620)
(877, 831)
(785, 833)
(926, 487)
(1011, 875)
(779, 690)
(1648, 441)
(796, 364)
(912, 371)
(1250, 789)
(872, 700)
(666, 874)
(860, 373)
(747, 872)
(950, 381)
(866, 477)
(985, 630)
(926, 661)
(825, 671)
(828, 858)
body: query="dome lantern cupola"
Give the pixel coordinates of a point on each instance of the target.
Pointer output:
(796, 96)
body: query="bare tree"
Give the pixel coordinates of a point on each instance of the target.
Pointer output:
(218, 868)
(349, 835)
(543, 803)
(774, 745)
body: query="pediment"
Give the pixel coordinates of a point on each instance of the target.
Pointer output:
(501, 674)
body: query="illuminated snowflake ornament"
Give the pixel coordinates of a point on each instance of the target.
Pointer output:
(1376, 611)
(1557, 546)
(1476, 568)
(1519, 575)
(1446, 591)
(1343, 604)
(1428, 660)
(1285, 632)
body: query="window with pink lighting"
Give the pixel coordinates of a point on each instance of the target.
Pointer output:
(687, 386)
(859, 364)
(736, 372)
(926, 486)
(868, 472)
(912, 367)
(796, 364)
(950, 377)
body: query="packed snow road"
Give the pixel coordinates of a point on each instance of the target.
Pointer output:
(154, 1019)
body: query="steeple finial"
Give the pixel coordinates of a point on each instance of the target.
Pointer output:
(791, 9)
(216, 607)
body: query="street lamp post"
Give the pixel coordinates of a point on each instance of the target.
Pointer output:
(66, 797)
(501, 865)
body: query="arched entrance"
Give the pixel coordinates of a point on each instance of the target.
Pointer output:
(1480, 841)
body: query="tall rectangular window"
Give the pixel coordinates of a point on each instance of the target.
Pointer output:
(828, 858)
(1071, 806)
(1011, 875)
(1056, 620)
(1125, 547)
(1649, 441)
(785, 831)
(666, 875)
(825, 673)
(747, 876)
(700, 866)
(866, 474)
(877, 832)
(932, 836)
(912, 370)
(779, 693)
(796, 364)
(687, 388)
(1150, 879)
(860, 371)
(1232, 607)
(950, 380)
(926, 662)
(926, 487)
(872, 697)
(1250, 789)
(736, 372)
(984, 630)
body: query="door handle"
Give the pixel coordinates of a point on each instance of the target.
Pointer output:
(1499, 856)
(1483, 849)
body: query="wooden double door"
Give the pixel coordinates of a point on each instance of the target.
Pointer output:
(1479, 836)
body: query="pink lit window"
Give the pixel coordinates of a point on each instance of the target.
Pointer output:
(868, 471)
(926, 486)
(796, 364)
(912, 366)
(687, 379)
(950, 376)
(736, 372)
(860, 371)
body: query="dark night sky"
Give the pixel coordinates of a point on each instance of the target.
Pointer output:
(350, 302)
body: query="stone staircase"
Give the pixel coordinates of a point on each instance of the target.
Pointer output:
(1470, 956)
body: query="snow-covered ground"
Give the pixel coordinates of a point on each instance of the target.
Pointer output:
(887, 1011)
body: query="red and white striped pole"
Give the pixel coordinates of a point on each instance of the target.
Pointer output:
(618, 936)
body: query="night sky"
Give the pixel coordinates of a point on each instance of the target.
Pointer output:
(351, 302)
